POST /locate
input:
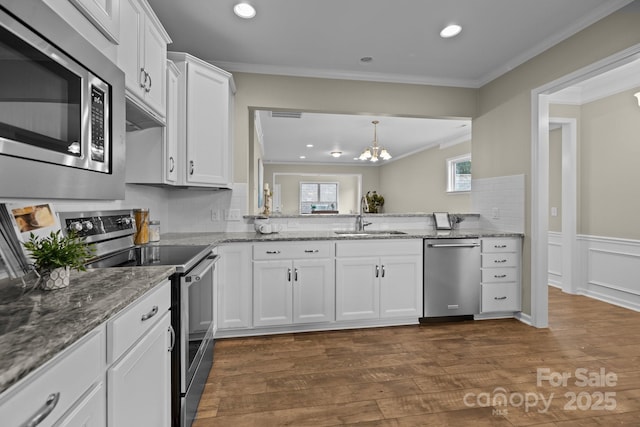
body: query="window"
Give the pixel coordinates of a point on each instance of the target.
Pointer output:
(459, 174)
(318, 197)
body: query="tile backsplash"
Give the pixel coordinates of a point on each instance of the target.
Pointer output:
(500, 202)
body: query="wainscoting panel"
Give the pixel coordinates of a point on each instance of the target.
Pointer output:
(609, 268)
(555, 259)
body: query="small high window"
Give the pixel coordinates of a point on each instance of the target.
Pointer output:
(459, 174)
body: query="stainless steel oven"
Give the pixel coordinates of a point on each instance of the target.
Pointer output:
(61, 108)
(192, 296)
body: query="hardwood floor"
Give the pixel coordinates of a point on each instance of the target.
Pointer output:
(438, 375)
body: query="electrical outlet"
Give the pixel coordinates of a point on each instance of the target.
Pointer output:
(495, 213)
(554, 211)
(232, 215)
(215, 214)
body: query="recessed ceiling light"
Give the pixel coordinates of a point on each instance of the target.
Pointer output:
(336, 154)
(450, 31)
(303, 157)
(309, 145)
(244, 10)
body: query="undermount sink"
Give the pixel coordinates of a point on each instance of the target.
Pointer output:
(370, 233)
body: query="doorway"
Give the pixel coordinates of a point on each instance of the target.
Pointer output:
(540, 120)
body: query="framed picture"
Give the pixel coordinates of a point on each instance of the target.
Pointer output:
(442, 220)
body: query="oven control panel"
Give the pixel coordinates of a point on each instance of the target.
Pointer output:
(101, 225)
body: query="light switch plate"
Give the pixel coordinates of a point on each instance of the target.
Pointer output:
(232, 215)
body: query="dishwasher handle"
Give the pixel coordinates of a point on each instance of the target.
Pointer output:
(453, 245)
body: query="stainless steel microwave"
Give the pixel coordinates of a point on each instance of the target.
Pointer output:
(61, 108)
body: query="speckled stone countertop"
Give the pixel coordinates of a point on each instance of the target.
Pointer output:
(36, 325)
(218, 238)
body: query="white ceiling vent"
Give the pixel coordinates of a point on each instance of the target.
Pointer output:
(286, 114)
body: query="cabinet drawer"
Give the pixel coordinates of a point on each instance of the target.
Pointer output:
(295, 250)
(500, 245)
(499, 260)
(379, 247)
(71, 373)
(499, 275)
(124, 330)
(500, 297)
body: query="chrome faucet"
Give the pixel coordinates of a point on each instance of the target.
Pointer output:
(360, 224)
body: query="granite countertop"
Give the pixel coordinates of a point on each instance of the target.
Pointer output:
(231, 237)
(36, 325)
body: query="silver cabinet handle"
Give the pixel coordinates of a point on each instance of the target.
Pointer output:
(191, 167)
(383, 271)
(499, 246)
(172, 164)
(499, 276)
(150, 314)
(499, 261)
(143, 78)
(44, 411)
(148, 88)
(288, 274)
(172, 334)
(273, 252)
(311, 251)
(499, 298)
(377, 271)
(295, 274)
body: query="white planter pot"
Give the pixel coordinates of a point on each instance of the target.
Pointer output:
(57, 278)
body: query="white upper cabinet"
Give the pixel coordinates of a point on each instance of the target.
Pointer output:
(205, 143)
(152, 153)
(142, 55)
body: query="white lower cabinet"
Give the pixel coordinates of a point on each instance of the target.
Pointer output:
(500, 289)
(289, 291)
(59, 386)
(371, 284)
(139, 384)
(234, 286)
(139, 379)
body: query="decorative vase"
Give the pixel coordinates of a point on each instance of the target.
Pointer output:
(57, 278)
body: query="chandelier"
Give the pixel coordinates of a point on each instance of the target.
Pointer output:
(374, 152)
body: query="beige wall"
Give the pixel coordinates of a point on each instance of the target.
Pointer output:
(502, 128)
(418, 183)
(609, 172)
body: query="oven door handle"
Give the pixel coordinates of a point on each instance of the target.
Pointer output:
(202, 268)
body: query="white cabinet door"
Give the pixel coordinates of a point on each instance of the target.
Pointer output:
(170, 159)
(207, 126)
(234, 286)
(272, 293)
(142, 53)
(139, 384)
(313, 291)
(155, 57)
(401, 286)
(357, 288)
(90, 412)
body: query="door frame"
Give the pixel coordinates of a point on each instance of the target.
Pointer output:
(540, 181)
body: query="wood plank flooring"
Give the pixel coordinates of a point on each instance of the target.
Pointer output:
(437, 375)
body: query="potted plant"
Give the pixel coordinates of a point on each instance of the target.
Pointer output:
(375, 201)
(54, 255)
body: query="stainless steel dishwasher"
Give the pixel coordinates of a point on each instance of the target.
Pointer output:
(451, 277)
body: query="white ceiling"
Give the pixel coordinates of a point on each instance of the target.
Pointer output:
(327, 38)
